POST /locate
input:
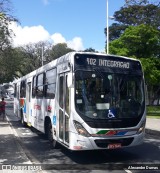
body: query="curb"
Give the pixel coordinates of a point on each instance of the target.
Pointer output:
(152, 132)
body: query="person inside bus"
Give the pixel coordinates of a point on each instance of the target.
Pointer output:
(92, 92)
(107, 96)
(2, 108)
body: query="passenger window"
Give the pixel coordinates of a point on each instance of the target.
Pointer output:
(50, 84)
(40, 85)
(23, 89)
(34, 87)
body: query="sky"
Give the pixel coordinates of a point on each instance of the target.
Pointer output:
(79, 23)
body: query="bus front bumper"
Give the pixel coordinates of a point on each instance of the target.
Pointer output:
(78, 142)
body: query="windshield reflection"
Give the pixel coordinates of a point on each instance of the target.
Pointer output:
(101, 95)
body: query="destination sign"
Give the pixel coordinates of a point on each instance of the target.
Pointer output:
(107, 62)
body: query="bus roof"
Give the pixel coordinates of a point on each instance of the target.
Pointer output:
(69, 57)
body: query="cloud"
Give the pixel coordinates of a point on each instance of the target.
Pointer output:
(58, 38)
(76, 43)
(25, 35)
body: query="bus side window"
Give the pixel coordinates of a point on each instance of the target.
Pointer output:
(23, 89)
(34, 87)
(40, 85)
(50, 84)
(15, 90)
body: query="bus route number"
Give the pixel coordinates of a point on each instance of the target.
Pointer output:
(91, 61)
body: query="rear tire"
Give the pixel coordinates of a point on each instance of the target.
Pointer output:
(50, 135)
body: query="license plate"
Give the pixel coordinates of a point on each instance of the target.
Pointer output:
(114, 146)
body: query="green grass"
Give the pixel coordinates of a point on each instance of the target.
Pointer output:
(153, 112)
(153, 109)
(153, 116)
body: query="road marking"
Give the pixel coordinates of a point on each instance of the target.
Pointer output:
(28, 133)
(128, 171)
(21, 128)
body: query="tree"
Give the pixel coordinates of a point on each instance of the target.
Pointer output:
(31, 54)
(139, 14)
(115, 31)
(5, 19)
(116, 47)
(10, 65)
(138, 2)
(151, 69)
(133, 14)
(141, 42)
(6, 61)
(90, 50)
(59, 50)
(23, 60)
(138, 35)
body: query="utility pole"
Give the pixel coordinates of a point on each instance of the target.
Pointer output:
(42, 55)
(107, 31)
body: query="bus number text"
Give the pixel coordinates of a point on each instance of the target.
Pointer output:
(91, 61)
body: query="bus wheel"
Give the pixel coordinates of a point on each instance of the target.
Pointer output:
(50, 136)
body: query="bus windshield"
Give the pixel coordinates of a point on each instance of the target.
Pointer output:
(103, 95)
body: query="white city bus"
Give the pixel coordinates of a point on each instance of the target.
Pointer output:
(85, 101)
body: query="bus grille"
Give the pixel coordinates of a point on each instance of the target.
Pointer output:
(103, 143)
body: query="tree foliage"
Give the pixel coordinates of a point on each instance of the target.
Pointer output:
(6, 51)
(136, 15)
(139, 2)
(59, 49)
(5, 19)
(141, 42)
(151, 69)
(137, 34)
(29, 57)
(133, 14)
(9, 65)
(90, 50)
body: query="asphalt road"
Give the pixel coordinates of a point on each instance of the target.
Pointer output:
(37, 148)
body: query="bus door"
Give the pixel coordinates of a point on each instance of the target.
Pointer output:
(63, 109)
(28, 102)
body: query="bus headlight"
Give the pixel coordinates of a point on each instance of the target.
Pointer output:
(141, 129)
(80, 129)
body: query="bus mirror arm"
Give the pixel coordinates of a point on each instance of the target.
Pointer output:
(70, 80)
